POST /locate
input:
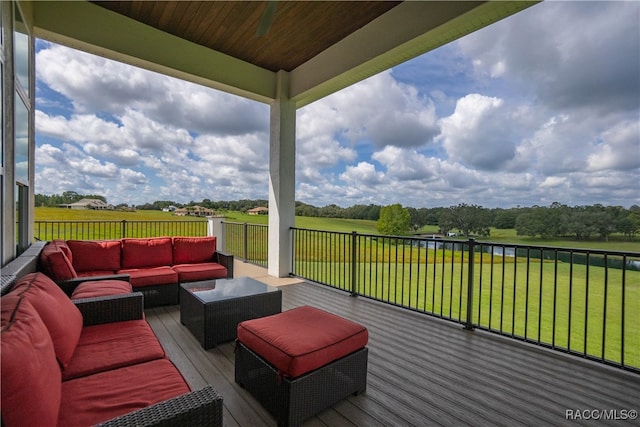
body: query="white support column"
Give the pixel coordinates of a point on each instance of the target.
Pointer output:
(215, 227)
(282, 163)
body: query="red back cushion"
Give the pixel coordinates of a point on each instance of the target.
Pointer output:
(188, 250)
(56, 264)
(31, 380)
(91, 255)
(61, 317)
(141, 253)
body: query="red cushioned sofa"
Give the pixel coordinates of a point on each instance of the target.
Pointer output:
(58, 370)
(154, 266)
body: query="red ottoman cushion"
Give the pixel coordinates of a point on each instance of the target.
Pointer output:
(200, 271)
(113, 345)
(101, 288)
(303, 339)
(96, 398)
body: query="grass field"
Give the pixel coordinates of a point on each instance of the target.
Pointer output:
(616, 243)
(564, 305)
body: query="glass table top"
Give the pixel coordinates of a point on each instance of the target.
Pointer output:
(222, 289)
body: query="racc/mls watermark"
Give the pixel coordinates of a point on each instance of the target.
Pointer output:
(601, 414)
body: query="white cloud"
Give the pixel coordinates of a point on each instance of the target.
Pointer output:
(553, 181)
(540, 107)
(49, 155)
(363, 174)
(479, 132)
(569, 54)
(380, 110)
(619, 149)
(407, 164)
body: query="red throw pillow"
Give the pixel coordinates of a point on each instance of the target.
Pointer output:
(92, 255)
(189, 250)
(31, 378)
(141, 253)
(56, 264)
(59, 314)
(62, 245)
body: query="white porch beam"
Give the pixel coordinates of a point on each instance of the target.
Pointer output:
(411, 29)
(85, 26)
(282, 154)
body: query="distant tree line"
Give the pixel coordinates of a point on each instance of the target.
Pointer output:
(555, 220)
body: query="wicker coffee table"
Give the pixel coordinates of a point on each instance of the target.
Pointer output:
(212, 309)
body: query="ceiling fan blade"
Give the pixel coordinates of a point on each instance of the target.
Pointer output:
(267, 18)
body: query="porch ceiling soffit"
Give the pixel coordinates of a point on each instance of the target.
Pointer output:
(401, 33)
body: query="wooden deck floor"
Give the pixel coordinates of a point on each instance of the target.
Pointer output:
(422, 372)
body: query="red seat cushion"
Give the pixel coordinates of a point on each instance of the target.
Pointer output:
(96, 273)
(189, 250)
(95, 255)
(59, 314)
(141, 277)
(96, 398)
(30, 392)
(302, 339)
(101, 288)
(141, 253)
(113, 345)
(200, 271)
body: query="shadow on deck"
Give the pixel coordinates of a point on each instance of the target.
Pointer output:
(422, 371)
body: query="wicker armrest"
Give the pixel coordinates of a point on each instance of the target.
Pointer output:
(225, 260)
(198, 408)
(70, 285)
(112, 308)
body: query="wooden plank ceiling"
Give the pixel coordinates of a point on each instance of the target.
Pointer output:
(299, 30)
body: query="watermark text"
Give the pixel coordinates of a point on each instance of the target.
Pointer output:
(601, 414)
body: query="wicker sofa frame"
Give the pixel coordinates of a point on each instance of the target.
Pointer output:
(293, 400)
(202, 407)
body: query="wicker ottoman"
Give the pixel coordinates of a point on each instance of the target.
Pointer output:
(300, 362)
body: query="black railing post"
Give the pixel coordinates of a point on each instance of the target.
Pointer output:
(354, 263)
(469, 323)
(123, 228)
(245, 241)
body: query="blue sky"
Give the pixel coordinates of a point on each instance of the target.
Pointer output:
(541, 107)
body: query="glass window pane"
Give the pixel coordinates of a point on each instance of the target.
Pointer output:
(22, 141)
(21, 52)
(22, 218)
(1, 116)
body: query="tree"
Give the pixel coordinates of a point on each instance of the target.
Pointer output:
(419, 218)
(467, 219)
(506, 218)
(394, 220)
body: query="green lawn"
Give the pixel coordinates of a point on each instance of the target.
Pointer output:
(556, 304)
(564, 307)
(616, 243)
(59, 214)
